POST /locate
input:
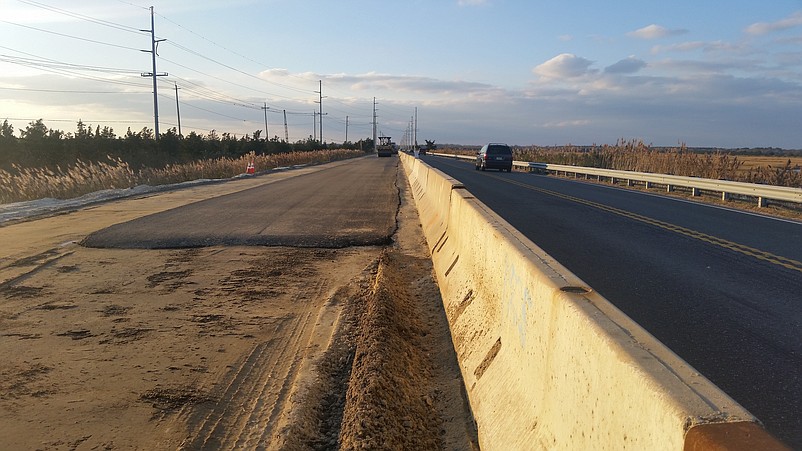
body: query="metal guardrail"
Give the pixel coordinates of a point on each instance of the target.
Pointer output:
(763, 193)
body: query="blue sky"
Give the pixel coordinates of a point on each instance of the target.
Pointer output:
(519, 71)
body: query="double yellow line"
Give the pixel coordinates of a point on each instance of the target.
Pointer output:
(736, 247)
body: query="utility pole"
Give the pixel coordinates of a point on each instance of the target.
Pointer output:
(267, 133)
(411, 127)
(154, 74)
(415, 128)
(374, 124)
(286, 133)
(320, 83)
(314, 125)
(346, 128)
(177, 110)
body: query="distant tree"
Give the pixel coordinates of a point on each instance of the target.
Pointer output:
(430, 145)
(106, 133)
(81, 131)
(146, 133)
(9, 146)
(6, 130)
(170, 146)
(36, 130)
(39, 146)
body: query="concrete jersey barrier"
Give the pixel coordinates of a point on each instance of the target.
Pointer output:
(550, 364)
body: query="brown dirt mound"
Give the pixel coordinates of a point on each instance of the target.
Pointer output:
(382, 383)
(318, 420)
(389, 404)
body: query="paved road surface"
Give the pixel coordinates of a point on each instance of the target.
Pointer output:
(723, 289)
(354, 205)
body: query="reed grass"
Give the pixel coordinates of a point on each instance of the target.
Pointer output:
(21, 184)
(634, 155)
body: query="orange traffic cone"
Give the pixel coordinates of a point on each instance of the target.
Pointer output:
(251, 169)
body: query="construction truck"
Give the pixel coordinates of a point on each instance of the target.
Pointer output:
(385, 148)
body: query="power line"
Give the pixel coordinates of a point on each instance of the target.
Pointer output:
(192, 89)
(81, 16)
(202, 92)
(213, 76)
(134, 5)
(68, 91)
(77, 74)
(207, 110)
(210, 41)
(235, 69)
(62, 65)
(70, 36)
(103, 121)
(237, 54)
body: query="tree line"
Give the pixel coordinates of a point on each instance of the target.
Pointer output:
(38, 146)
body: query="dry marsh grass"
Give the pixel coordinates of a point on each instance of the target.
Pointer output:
(636, 156)
(23, 184)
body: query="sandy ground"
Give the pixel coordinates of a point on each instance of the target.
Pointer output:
(222, 347)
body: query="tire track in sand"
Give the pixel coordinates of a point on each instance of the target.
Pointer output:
(258, 388)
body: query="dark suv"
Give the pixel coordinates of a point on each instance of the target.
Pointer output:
(494, 156)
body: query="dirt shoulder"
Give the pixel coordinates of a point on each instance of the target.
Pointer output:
(223, 347)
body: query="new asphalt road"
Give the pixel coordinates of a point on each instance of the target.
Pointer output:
(344, 205)
(721, 288)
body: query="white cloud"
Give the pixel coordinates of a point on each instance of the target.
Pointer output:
(714, 48)
(472, 2)
(569, 123)
(628, 65)
(565, 65)
(691, 67)
(681, 47)
(374, 81)
(275, 72)
(761, 28)
(654, 31)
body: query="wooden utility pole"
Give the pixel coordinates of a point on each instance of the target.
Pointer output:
(177, 110)
(320, 101)
(154, 74)
(267, 133)
(286, 133)
(415, 128)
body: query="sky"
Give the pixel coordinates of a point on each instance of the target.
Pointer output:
(524, 72)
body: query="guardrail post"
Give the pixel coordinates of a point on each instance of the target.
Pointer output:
(694, 192)
(648, 185)
(762, 202)
(725, 196)
(669, 188)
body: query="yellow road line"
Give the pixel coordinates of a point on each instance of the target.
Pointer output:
(736, 247)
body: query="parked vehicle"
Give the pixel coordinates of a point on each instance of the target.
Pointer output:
(494, 156)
